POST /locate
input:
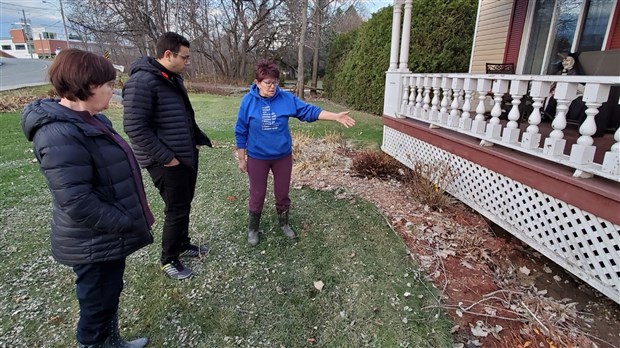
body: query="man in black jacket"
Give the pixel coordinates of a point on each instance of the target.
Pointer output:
(159, 120)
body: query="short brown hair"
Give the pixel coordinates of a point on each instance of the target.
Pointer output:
(170, 41)
(74, 72)
(266, 69)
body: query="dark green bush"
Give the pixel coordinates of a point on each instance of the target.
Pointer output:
(441, 39)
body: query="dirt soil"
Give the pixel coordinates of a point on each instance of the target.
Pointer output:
(497, 291)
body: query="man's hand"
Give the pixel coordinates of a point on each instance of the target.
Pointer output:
(174, 162)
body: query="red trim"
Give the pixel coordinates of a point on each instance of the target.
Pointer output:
(515, 31)
(614, 36)
(596, 195)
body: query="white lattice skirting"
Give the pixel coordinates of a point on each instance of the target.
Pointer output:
(578, 241)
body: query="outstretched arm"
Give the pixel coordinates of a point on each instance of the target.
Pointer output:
(341, 117)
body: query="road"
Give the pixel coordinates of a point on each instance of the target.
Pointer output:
(17, 73)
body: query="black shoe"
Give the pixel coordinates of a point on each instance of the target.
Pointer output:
(175, 270)
(195, 251)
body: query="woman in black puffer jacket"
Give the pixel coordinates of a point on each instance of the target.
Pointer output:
(100, 213)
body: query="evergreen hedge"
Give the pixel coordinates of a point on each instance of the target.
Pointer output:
(441, 40)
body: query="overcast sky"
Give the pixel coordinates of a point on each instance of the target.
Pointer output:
(46, 13)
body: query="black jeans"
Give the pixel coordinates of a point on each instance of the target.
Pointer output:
(98, 288)
(176, 186)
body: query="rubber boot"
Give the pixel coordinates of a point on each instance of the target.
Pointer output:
(115, 340)
(253, 226)
(283, 218)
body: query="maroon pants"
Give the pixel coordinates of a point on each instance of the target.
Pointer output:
(258, 172)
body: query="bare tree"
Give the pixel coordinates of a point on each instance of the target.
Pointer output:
(300, 50)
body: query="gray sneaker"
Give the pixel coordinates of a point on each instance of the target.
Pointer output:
(175, 270)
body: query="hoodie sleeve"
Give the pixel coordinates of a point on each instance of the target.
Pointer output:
(68, 168)
(137, 115)
(243, 124)
(306, 112)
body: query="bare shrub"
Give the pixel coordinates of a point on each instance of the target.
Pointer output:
(377, 164)
(323, 153)
(427, 181)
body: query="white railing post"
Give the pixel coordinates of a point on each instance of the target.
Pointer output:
(479, 124)
(411, 101)
(611, 162)
(453, 119)
(555, 143)
(427, 98)
(518, 89)
(434, 114)
(583, 152)
(446, 83)
(494, 128)
(418, 98)
(531, 137)
(469, 85)
(405, 98)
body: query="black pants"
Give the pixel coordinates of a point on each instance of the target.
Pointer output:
(98, 288)
(176, 186)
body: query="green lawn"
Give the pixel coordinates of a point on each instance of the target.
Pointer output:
(240, 296)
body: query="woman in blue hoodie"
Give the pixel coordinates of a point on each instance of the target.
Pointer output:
(264, 142)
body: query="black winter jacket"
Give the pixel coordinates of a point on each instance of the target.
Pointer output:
(158, 116)
(97, 214)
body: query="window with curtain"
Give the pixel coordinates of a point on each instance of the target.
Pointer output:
(554, 29)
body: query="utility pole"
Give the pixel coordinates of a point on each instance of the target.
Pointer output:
(28, 34)
(64, 23)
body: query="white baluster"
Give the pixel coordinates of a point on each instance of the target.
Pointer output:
(518, 88)
(411, 101)
(446, 82)
(531, 137)
(453, 119)
(611, 162)
(583, 152)
(555, 143)
(494, 128)
(418, 98)
(427, 98)
(405, 97)
(434, 113)
(465, 122)
(479, 124)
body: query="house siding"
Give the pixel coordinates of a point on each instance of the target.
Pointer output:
(490, 41)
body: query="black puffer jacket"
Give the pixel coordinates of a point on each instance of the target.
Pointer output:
(97, 214)
(158, 116)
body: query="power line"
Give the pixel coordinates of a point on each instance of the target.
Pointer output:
(22, 6)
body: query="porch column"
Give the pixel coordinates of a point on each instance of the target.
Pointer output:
(395, 35)
(404, 43)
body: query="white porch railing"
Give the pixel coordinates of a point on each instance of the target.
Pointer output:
(458, 102)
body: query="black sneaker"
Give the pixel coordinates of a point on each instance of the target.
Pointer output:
(175, 270)
(195, 251)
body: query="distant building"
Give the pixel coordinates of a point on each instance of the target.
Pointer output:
(18, 46)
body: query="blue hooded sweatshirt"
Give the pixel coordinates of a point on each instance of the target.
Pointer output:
(262, 123)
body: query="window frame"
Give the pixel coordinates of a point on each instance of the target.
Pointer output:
(527, 32)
